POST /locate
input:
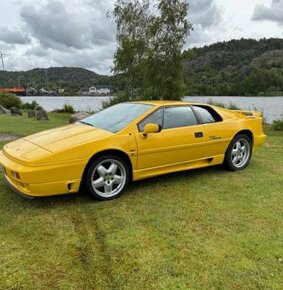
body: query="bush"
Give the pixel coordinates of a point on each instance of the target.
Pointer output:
(9, 100)
(39, 108)
(67, 109)
(231, 106)
(277, 125)
(218, 104)
(30, 106)
(116, 100)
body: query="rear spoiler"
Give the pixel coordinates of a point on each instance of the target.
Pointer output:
(252, 114)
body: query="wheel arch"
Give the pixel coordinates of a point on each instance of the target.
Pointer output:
(247, 132)
(115, 152)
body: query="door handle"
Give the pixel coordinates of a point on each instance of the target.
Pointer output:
(198, 134)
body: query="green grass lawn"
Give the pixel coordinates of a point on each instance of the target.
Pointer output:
(201, 229)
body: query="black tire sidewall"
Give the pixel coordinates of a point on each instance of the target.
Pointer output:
(90, 170)
(228, 160)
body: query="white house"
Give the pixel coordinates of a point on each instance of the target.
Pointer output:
(100, 90)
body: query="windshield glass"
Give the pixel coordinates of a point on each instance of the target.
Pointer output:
(117, 117)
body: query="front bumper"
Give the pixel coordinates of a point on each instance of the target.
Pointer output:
(44, 180)
(11, 186)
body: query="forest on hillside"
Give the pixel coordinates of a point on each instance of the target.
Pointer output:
(236, 67)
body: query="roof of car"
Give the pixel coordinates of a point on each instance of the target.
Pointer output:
(162, 103)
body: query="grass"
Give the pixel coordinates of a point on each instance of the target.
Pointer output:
(22, 125)
(201, 229)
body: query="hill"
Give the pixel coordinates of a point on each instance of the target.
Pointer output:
(236, 67)
(53, 78)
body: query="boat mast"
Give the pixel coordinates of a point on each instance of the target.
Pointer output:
(1, 55)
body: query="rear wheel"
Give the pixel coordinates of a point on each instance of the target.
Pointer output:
(239, 153)
(107, 177)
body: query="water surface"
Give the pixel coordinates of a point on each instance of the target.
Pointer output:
(272, 107)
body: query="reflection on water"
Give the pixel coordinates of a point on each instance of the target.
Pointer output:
(272, 107)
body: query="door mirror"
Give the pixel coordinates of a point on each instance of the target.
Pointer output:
(151, 128)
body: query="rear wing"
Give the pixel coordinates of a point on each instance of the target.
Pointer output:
(251, 114)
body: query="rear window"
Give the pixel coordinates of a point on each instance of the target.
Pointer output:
(207, 114)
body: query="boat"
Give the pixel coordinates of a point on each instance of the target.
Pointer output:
(15, 90)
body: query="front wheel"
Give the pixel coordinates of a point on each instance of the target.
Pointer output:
(239, 153)
(107, 177)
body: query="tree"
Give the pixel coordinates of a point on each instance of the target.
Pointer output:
(131, 19)
(150, 36)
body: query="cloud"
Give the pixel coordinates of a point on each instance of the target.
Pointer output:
(204, 15)
(74, 33)
(204, 12)
(54, 26)
(76, 24)
(37, 51)
(10, 36)
(273, 12)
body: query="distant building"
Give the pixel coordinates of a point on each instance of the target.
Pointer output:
(100, 90)
(43, 91)
(83, 91)
(61, 91)
(92, 90)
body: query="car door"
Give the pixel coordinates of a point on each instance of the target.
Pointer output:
(217, 131)
(180, 140)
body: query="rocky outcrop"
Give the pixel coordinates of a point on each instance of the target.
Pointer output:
(273, 58)
(41, 115)
(15, 111)
(4, 110)
(78, 116)
(31, 114)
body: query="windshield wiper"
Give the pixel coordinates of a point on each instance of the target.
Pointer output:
(86, 123)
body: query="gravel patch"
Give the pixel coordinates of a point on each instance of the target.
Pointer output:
(8, 137)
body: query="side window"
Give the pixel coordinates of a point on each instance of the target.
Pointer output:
(175, 117)
(155, 118)
(205, 115)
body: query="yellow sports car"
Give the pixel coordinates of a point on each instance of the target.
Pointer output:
(128, 142)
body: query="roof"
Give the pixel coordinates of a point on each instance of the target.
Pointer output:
(163, 103)
(102, 87)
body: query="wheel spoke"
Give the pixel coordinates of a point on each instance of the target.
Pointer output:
(113, 168)
(118, 179)
(235, 160)
(108, 178)
(99, 182)
(240, 158)
(108, 188)
(234, 152)
(238, 145)
(101, 170)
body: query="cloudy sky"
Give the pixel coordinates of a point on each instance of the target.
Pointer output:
(44, 33)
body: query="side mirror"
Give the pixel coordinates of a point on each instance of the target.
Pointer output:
(151, 128)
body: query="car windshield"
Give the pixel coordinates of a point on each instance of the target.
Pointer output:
(117, 117)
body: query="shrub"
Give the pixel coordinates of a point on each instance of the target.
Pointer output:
(30, 106)
(231, 106)
(67, 109)
(9, 100)
(277, 125)
(116, 100)
(38, 108)
(218, 104)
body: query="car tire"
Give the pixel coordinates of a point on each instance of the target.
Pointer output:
(239, 153)
(107, 177)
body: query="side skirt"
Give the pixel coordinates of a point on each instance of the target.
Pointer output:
(155, 171)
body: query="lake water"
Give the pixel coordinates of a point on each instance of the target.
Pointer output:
(272, 107)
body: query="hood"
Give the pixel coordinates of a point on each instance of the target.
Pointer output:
(66, 137)
(48, 142)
